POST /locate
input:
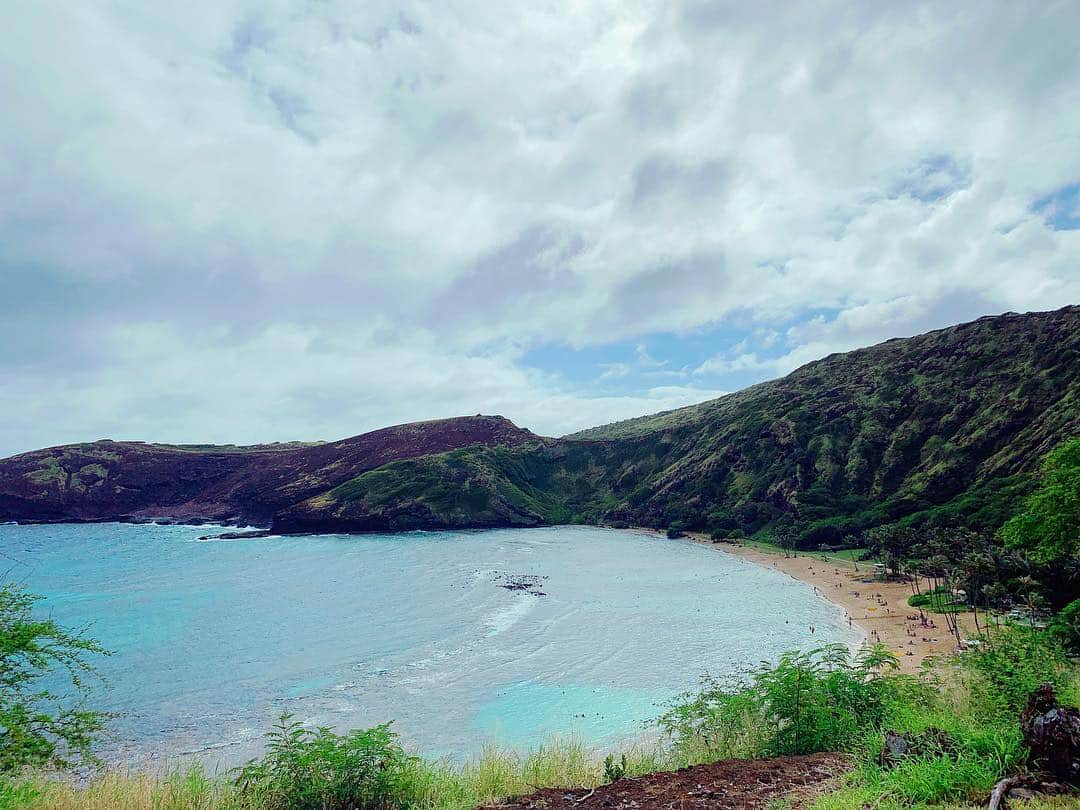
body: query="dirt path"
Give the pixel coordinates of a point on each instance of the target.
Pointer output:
(880, 609)
(734, 783)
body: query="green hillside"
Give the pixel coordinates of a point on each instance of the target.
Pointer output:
(945, 425)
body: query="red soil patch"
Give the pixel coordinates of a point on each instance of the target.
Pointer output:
(733, 783)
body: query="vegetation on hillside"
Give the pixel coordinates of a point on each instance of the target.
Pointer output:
(934, 430)
(937, 429)
(1048, 526)
(107, 480)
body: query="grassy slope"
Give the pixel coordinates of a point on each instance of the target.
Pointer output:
(935, 427)
(986, 745)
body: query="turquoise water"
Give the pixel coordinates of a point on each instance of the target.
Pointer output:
(212, 640)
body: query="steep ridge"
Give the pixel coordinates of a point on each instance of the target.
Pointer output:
(944, 425)
(931, 428)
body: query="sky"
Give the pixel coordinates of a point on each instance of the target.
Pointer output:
(257, 220)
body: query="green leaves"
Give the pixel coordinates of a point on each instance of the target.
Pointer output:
(37, 726)
(1009, 665)
(820, 700)
(306, 769)
(1049, 526)
(1066, 627)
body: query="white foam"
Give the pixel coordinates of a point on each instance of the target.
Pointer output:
(502, 620)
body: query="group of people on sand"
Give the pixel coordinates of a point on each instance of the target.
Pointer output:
(915, 621)
(921, 619)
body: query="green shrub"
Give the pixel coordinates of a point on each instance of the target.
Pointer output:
(40, 727)
(939, 600)
(614, 770)
(1065, 627)
(321, 770)
(975, 753)
(676, 529)
(16, 794)
(822, 700)
(1009, 665)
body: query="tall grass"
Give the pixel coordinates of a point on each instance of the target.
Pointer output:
(814, 701)
(976, 702)
(492, 775)
(187, 789)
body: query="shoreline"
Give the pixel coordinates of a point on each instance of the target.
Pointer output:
(878, 609)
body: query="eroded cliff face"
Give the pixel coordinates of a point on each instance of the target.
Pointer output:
(945, 425)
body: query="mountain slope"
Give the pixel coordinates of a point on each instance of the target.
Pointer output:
(108, 480)
(947, 424)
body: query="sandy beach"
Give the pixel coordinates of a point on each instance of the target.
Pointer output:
(880, 609)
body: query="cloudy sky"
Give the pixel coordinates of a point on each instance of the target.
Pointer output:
(257, 220)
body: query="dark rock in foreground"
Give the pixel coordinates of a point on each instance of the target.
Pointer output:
(1052, 735)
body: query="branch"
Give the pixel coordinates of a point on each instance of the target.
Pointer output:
(1000, 789)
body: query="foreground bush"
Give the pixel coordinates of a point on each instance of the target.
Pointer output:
(826, 699)
(426, 785)
(821, 700)
(39, 727)
(1009, 665)
(975, 705)
(321, 770)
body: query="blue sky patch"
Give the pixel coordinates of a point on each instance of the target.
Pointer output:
(1061, 208)
(670, 358)
(933, 179)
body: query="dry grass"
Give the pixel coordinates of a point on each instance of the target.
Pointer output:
(493, 775)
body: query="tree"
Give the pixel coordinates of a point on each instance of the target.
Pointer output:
(38, 726)
(1049, 525)
(978, 569)
(1066, 627)
(1029, 589)
(787, 539)
(893, 545)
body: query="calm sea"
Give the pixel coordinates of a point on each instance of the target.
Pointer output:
(212, 640)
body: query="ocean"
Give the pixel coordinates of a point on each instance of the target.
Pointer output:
(460, 638)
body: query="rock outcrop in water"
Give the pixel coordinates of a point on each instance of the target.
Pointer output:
(946, 425)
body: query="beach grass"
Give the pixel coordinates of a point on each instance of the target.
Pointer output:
(490, 776)
(984, 745)
(846, 557)
(972, 702)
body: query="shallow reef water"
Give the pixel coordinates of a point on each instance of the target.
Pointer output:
(461, 638)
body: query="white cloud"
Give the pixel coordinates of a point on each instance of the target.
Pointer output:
(436, 187)
(614, 371)
(745, 361)
(313, 390)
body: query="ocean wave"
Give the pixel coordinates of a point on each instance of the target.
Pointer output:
(502, 620)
